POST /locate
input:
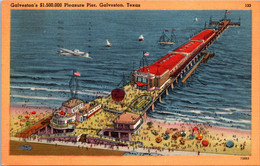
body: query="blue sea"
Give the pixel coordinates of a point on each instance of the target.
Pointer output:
(218, 93)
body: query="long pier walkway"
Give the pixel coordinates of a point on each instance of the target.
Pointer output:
(192, 64)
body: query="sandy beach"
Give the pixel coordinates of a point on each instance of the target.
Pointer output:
(215, 136)
(26, 116)
(207, 139)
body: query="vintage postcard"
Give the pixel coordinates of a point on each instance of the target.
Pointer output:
(130, 82)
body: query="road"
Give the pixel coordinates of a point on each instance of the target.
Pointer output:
(119, 148)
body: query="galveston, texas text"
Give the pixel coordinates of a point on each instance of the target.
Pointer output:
(73, 5)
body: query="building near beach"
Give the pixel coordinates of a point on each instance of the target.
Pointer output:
(155, 76)
(67, 113)
(72, 111)
(72, 105)
(124, 125)
(87, 111)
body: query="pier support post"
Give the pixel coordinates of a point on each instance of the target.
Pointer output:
(160, 99)
(144, 116)
(177, 80)
(172, 86)
(152, 107)
(51, 130)
(181, 75)
(166, 91)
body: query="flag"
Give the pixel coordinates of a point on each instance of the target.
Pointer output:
(76, 74)
(173, 29)
(146, 53)
(166, 31)
(228, 11)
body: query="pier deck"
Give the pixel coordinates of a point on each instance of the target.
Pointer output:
(196, 60)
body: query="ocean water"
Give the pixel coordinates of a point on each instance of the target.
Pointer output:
(218, 93)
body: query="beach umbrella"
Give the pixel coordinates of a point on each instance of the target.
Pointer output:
(27, 117)
(166, 136)
(62, 113)
(195, 130)
(183, 133)
(28, 123)
(34, 112)
(175, 136)
(191, 136)
(205, 143)
(158, 139)
(229, 144)
(199, 137)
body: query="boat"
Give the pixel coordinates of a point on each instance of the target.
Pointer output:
(196, 19)
(165, 40)
(141, 38)
(108, 44)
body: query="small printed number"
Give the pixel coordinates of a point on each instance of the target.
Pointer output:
(244, 158)
(247, 5)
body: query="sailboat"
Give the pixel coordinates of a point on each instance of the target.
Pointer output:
(141, 38)
(108, 44)
(165, 40)
(196, 19)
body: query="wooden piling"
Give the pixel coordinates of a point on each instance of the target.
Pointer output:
(194, 68)
(152, 106)
(172, 86)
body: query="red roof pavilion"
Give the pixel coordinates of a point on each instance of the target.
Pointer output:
(167, 62)
(204, 35)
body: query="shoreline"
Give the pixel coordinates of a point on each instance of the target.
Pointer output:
(215, 135)
(22, 109)
(172, 123)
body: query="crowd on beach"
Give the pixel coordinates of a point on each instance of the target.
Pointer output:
(154, 134)
(216, 139)
(26, 116)
(154, 130)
